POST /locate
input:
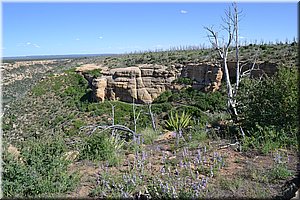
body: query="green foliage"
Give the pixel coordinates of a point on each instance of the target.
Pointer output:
(164, 97)
(162, 107)
(74, 127)
(76, 86)
(40, 171)
(213, 101)
(269, 107)
(183, 80)
(95, 72)
(149, 135)
(268, 138)
(178, 122)
(229, 184)
(39, 90)
(278, 172)
(100, 147)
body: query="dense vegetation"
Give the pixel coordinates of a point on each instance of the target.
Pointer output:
(58, 116)
(270, 109)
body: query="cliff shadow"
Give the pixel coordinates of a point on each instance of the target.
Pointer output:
(88, 97)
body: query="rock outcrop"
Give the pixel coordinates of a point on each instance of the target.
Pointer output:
(145, 82)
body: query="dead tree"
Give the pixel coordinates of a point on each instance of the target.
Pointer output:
(152, 117)
(223, 49)
(231, 28)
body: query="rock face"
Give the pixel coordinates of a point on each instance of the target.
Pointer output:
(206, 75)
(145, 82)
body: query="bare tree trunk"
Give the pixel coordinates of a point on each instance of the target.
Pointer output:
(134, 118)
(113, 118)
(152, 117)
(231, 27)
(237, 59)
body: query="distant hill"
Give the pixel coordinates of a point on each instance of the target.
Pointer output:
(49, 57)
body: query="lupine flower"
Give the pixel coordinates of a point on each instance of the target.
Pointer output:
(197, 161)
(181, 164)
(199, 154)
(124, 194)
(163, 170)
(167, 187)
(98, 181)
(144, 155)
(197, 194)
(189, 164)
(124, 178)
(184, 165)
(173, 192)
(197, 174)
(176, 172)
(185, 150)
(223, 163)
(138, 140)
(194, 186)
(278, 158)
(211, 171)
(169, 170)
(204, 183)
(142, 140)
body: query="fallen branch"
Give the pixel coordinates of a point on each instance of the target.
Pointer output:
(105, 127)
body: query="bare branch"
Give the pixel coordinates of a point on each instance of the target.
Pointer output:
(105, 127)
(213, 38)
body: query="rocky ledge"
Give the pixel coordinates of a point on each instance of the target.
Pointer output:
(145, 82)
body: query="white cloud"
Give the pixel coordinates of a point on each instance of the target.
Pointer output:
(100, 37)
(77, 39)
(35, 45)
(183, 11)
(158, 46)
(28, 44)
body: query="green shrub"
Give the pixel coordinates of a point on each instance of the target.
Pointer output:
(42, 171)
(101, 147)
(149, 135)
(95, 72)
(213, 101)
(269, 107)
(164, 97)
(279, 172)
(183, 80)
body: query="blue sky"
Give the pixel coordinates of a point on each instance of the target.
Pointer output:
(96, 28)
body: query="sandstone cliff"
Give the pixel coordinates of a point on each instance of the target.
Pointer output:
(145, 82)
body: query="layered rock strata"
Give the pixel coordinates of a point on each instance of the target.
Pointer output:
(145, 82)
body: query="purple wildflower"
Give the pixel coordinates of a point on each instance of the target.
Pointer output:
(163, 170)
(176, 172)
(278, 158)
(181, 164)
